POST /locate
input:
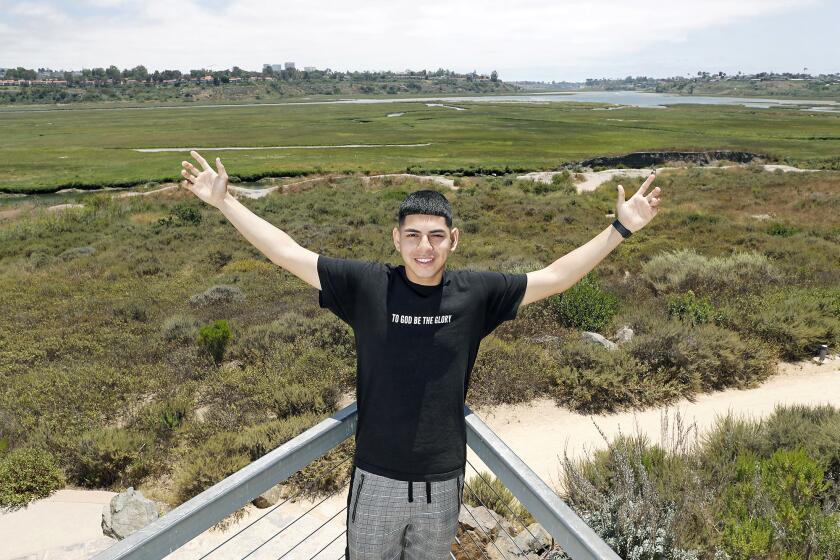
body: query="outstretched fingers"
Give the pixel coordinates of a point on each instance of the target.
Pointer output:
(646, 184)
(190, 168)
(220, 167)
(201, 160)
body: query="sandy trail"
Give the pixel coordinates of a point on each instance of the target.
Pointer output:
(439, 179)
(259, 193)
(594, 179)
(167, 187)
(60, 207)
(538, 432)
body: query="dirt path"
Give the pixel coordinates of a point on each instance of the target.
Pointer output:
(593, 179)
(540, 431)
(439, 179)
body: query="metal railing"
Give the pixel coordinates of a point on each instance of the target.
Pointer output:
(171, 531)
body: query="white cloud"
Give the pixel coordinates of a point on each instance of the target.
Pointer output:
(364, 34)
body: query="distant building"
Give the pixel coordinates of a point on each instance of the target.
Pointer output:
(309, 69)
(274, 67)
(290, 65)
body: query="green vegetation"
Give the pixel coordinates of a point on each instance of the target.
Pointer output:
(132, 86)
(762, 84)
(484, 489)
(215, 338)
(47, 151)
(584, 306)
(101, 366)
(747, 490)
(689, 307)
(27, 474)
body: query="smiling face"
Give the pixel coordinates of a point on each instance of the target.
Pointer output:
(425, 241)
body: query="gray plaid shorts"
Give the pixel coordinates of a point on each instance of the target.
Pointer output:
(389, 519)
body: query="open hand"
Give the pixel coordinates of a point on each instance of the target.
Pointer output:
(208, 185)
(640, 209)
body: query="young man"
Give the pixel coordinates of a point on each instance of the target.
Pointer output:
(418, 327)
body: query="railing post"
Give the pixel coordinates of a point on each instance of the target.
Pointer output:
(574, 536)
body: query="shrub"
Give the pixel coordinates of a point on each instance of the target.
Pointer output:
(110, 456)
(27, 474)
(132, 311)
(795, 320)
(145, 264)
(728, 438)
(222, 454)
(510, 372)
(703, 358)
(261, 338)
(690, 308)
(684, 270)
(296, 399)
(593, 379)
(584, 306)
(697, 219)
(215, 295)
(181, 329)
(471, 226)
(38, 259)
(259, 439)
(617, 497)
(215, 338)
(218, 457)
(613, 385)
(774, 509)
(75, 252)
(562, 178)
(186, 214)
(782, 230)
(326, 475)
(816, 429)
(219, 258)
(250, 265)
(162, 418)
(486, 490)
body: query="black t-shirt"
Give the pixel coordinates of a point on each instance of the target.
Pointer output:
(416, 346)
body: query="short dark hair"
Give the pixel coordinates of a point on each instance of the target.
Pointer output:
(426, 202)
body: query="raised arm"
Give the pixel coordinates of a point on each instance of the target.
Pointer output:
(211, 187)
(563, 273)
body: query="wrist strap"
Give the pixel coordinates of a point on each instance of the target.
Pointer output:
(621, 229)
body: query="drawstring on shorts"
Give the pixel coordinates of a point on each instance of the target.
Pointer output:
(428, 492)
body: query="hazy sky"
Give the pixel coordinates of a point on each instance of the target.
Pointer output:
(526, 39)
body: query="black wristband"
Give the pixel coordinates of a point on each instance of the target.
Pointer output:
(625, 233)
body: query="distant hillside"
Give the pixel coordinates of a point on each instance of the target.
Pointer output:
(764, 84)
(23, 86)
